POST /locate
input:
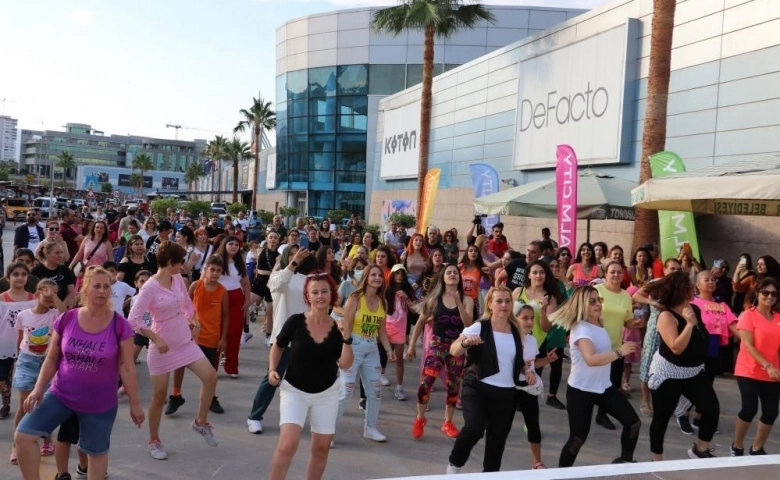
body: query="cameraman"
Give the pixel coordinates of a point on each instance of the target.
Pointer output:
(476, 229)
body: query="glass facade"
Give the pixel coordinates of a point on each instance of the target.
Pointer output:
(322, 117)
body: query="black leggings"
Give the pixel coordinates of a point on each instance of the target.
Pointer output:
(382, 361)
(529, 405)
(556, 370)
(701, 394)
(579, 407)
(488, 411)
(752, 391)
(615, 377)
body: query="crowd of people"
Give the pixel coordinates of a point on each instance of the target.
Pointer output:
(87, 292)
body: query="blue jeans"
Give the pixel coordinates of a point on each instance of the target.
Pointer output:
(95, 437)
(28, 367)
(367, 363)
(265, 392)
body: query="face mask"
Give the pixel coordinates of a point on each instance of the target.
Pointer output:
(358, 274)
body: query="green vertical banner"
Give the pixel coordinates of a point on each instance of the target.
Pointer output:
(676, 228)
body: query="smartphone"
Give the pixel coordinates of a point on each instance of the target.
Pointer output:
(717, 263)
(686, 247)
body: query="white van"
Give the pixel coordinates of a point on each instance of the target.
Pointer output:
(47, 205)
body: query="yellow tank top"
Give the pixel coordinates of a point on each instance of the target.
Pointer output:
(367, 322)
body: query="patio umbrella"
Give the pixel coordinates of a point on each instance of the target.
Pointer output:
(744, 187)
(599, 197)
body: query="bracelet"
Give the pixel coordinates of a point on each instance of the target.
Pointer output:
(617, 352)
(464, 345)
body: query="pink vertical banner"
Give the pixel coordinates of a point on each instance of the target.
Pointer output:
(566, 194)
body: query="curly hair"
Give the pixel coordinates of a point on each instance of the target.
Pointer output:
(672, 290)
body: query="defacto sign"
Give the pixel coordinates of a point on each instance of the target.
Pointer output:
(578, 94)
(400, 149)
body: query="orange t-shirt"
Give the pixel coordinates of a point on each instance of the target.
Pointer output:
(766, 338)
(208, 309)
(471, 280)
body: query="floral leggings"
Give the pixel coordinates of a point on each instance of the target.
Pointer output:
(436, 358)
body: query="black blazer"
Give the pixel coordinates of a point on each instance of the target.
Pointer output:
(22, 236)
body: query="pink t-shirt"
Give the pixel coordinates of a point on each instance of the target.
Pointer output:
(766, 339)
(717, 316)
(87, 372)
(37, 328)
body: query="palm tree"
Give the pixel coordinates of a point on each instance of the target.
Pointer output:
(440, 18)
(142, 162)
(193, 173)
(216, 151)
(258, 118)
(237, 151)
(654, 134)
(65, 161)
(137, 181)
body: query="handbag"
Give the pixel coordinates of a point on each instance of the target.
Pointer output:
(78, 269)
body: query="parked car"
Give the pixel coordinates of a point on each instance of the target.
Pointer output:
(16, 208)
(47, 205)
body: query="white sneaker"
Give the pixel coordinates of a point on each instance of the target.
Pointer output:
(452, 469)
(254, 426)
(245, 337)
(268, 341)
(157, 451)
(400, 395)
(385, 381)
(372, 433)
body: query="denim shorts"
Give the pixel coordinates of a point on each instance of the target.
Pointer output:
(27, 369)
(95, 435)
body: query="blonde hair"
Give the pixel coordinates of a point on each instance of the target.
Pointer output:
(89, 276)
(489, 299)
(480, 241)
(575, 309)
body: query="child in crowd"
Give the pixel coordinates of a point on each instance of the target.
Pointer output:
(120, 291)
(212, 309)
(139, 341)
(34, 327)
(641, 314)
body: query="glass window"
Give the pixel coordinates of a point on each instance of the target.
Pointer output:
(298, 108)
(322, 82)
(299, 144)
(298, 125)
(414, 73)
(352, 201)
(353, 123)
(352, 162)
(353, 80)
(281, 88)
(297, 84)
(353, 105)
(322, 118)
(352, 143)
(386, 79)
(450, 66)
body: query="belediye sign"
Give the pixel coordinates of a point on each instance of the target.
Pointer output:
(577, 95)
(401, 142)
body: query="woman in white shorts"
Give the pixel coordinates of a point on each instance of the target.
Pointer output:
(319, 347)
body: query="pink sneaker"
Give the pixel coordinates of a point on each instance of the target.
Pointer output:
(47, 449)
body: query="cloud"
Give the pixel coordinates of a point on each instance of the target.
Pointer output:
(82, 17)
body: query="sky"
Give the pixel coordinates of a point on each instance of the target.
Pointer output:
(133, 67)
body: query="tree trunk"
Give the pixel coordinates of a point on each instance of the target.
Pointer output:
(212, 168)
(425, 122)
(235, 180)
(257, 167)
(654, 134)
(219, 180)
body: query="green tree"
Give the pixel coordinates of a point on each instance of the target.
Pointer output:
(196, 207)
(216, 150)
(65, 161)
(237, 151)
(266, 216)
(287, 212)
(106, 187)
(260, 117)
(192, 174)
(404, 219)
(435, 18)
(4, 174)
(136, 181)
(236, 207)
(144, 163)
(654, 134)
(161, 205)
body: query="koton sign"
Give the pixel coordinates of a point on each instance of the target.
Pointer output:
(578, 94)
(400, 149)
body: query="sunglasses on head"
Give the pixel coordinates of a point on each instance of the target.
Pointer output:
(769, 293)
(593, 301)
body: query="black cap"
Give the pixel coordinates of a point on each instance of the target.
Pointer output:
(164, 225)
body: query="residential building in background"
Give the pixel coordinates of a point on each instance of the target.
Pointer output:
(8, 136)
(332, 70)
(39, 150)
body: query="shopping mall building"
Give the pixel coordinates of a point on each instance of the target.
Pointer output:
(581, 81)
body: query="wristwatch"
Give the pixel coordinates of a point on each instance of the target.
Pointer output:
(348, 340)
(294, 264)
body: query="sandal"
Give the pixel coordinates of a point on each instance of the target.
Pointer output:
(14, 458)
(646, 410)
(539, 466)
(626, 387)
(47, 449)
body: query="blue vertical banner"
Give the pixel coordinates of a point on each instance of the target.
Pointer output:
(485, 181)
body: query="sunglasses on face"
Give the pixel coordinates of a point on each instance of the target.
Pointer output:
(53, 229)
(769, 293)
(593, 301)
